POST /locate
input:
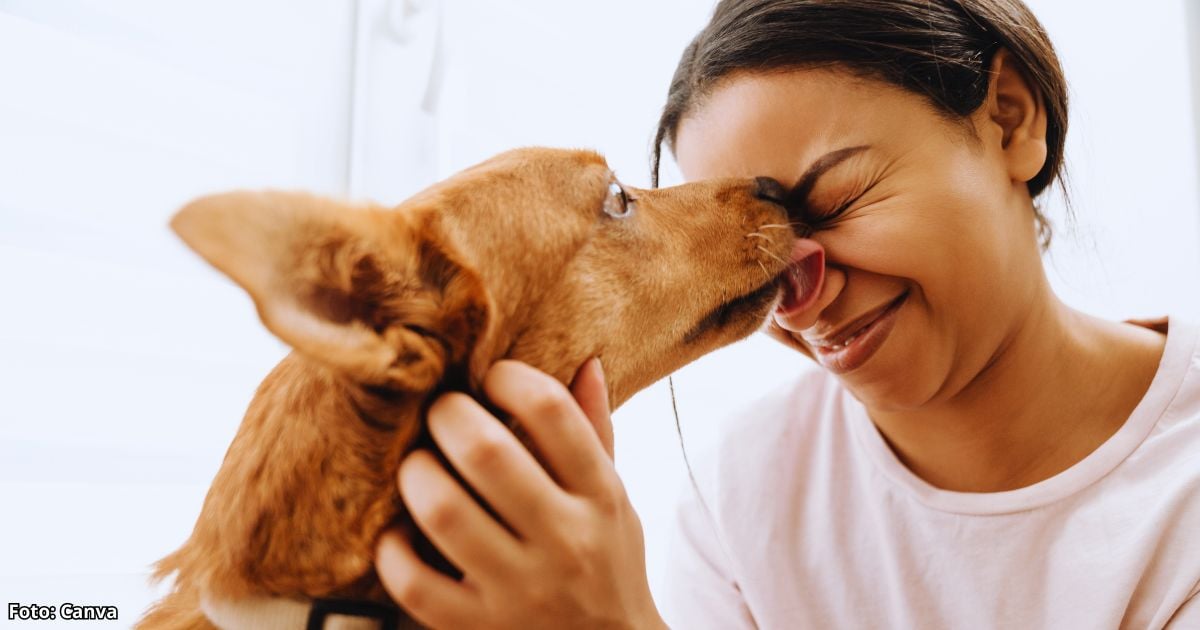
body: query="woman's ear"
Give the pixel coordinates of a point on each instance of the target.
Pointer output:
(362, 290)
(1016, 109)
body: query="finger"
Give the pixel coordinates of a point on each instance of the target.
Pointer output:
(454, 522)
(432, 598)
(494, 462)
(590, 391)
(560, 431)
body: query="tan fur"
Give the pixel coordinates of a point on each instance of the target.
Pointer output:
(384, 309)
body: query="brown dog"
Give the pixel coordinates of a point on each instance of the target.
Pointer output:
(536, 255)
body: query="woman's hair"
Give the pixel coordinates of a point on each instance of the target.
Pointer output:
(939, 49)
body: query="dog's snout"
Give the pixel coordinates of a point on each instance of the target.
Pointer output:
(768, 189)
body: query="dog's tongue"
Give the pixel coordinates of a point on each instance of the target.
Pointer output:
(803, 278)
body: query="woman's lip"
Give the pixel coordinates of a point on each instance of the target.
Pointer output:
(865, 344)
(849, 330)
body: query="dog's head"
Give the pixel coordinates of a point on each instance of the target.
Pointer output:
(539, 255)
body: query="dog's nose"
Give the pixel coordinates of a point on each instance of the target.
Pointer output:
(768, 189)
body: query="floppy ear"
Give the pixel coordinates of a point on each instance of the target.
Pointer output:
(371, 293)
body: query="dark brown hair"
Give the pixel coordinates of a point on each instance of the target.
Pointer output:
(939, 49)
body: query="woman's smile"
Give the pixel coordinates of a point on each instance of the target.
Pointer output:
(851, 345)
(914, 221)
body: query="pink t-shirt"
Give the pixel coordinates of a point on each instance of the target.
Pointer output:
(808, 520)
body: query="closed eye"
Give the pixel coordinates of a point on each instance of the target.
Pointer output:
(840, 210)
(820, 219)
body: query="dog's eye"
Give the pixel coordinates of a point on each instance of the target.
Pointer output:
(619, 204)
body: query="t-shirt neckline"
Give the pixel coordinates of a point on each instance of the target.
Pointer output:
(1172, 370)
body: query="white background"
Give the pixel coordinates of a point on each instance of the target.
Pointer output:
(125, 363)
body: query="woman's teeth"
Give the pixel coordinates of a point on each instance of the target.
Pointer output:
(838, 346)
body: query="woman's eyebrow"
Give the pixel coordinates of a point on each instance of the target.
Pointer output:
(799, 193)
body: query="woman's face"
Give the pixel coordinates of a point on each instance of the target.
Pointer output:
(930, 247)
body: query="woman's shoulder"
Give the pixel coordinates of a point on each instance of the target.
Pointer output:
(1175, 391)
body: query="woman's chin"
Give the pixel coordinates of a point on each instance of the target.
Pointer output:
(897, 378)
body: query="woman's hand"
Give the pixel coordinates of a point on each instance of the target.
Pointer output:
(569, 552)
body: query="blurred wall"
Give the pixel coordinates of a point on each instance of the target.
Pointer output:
(126, 363)
(1193, 25)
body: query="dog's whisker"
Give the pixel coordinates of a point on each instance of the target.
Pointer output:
(759, 235)
(803, 229)
(766, 273)
(772, 254)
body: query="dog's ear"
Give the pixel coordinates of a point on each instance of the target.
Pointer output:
(366, 291)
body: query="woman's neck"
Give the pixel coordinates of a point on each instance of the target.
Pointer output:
(1060, 386)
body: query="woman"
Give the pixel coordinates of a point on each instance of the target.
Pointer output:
(975, 453)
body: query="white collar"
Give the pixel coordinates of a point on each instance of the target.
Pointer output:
(278, 613)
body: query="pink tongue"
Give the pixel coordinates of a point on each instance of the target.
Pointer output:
(804, 276)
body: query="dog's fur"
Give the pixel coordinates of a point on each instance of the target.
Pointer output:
(513, 258)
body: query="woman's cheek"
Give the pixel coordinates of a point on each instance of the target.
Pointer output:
(914, 366)
(892, 239)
